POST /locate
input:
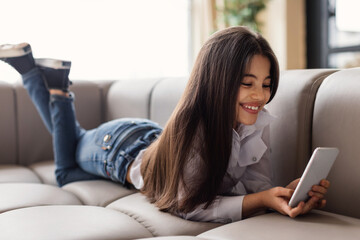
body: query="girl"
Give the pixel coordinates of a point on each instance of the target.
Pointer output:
(211, 161)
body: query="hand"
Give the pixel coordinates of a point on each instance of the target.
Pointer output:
(316, 195)
(278, 198)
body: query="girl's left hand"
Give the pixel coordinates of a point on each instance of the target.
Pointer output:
(316, 195)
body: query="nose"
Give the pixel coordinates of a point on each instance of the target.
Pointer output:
(258, 93)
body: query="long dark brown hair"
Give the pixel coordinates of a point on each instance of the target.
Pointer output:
(208, 103)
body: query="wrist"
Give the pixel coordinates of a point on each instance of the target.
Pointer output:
(253, 203)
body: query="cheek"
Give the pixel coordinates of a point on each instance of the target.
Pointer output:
(267, 95)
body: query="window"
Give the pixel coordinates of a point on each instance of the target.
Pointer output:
(104, 39)
(333, 29)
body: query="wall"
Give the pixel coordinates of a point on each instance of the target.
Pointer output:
(284, 26)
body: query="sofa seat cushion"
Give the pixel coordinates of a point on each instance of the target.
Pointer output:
(174, 238)
(15, 173)
(157, 222)
(97, 192)
(20, 195)
(315, 225)
(45, 170)
(69, 222)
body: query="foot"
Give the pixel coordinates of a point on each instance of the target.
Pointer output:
(19, 56)
(56, 73)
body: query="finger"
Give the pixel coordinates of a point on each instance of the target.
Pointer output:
(319, 189)
(322, 203)
(296, 210)
(312, 203)
(316, 194)
(325, 183)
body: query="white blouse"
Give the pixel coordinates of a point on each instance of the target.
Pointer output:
(249, 171)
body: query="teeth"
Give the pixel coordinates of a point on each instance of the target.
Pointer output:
(251, 107)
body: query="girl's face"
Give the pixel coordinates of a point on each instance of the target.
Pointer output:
(254, 91)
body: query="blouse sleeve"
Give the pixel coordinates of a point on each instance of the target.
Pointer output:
(224, 209)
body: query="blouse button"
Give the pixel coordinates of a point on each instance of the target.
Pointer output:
(254, 159)
(107, 138)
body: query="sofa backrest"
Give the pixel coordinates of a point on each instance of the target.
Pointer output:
(8, 139)
(164, 98)
(153, 99)
(291, 132)
(336, 123)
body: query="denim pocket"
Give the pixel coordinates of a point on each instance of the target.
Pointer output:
(107, 133)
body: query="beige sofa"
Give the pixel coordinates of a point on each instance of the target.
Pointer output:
(314, 108)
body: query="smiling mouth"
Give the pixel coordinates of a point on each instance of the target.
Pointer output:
(250, 108)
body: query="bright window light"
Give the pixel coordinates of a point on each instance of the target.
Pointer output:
(104, 39)
(347, 15)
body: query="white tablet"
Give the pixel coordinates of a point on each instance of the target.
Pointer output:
(317, 169)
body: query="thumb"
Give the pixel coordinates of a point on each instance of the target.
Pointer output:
(284, 192)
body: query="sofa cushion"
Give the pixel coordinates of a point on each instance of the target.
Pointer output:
(8, 149)
(34, 141)
(45, 170)
(290, 133)
(97, 192)
(88, 103)
(157, 222)
(337, 124)
(174, 238)
(129, 98)
(15, 173)
(69, 222)
(316, 225)
(20, 195)
(165, 97)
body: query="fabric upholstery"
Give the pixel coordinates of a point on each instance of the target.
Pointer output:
(34, 141)
(157, 222)
(21, 195)
(10, 173)
(97, 192)
(8, 125)
(164, 98)
(316, 225)
(69, 223)
(45, 171)
(290, 133)
(129, 98)
(336, 124)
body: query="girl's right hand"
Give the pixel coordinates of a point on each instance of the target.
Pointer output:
(277, 198)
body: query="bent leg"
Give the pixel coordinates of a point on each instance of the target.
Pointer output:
(66, 133)
(34, 84)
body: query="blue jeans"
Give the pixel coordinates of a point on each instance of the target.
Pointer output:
(103, 152)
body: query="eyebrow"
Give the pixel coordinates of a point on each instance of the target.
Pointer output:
(253, 76)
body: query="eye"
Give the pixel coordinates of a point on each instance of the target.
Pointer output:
(246, 84)
(267, 83)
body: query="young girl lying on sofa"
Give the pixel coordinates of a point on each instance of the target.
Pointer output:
(211, 161)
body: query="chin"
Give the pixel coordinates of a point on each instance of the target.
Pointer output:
(247, 121)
